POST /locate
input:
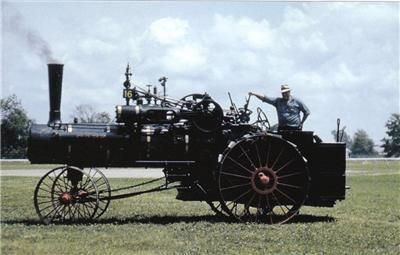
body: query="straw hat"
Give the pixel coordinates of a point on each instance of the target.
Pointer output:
(285, 88)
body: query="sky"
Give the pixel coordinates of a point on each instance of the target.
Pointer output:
(340, 58)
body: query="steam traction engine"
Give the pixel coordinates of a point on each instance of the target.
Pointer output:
(243, 171)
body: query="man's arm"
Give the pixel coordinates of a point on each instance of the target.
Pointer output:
(305, 115)
(263, 98)
(306, 112)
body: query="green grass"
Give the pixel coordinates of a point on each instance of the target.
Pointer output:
(373, 167)
(12, 165)
(367, 222)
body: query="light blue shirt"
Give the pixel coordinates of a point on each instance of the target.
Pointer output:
(288, 111)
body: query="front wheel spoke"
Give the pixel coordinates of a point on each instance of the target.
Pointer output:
(45, 190)
(39, 196)
(101, 184)
(74, 211)
(69, 212)
(79, 211)
(54, 209)
(57, 213)
(101, 192)
(83, 184)
(46, 185)
(87, 211)
(58, 185)
(65, 211)
(45, 208)
(65, 181)
(46, 202)
(91, 205)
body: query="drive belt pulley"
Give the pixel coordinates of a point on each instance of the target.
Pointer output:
(208, 115)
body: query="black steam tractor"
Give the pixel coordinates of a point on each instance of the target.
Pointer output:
(244, 171)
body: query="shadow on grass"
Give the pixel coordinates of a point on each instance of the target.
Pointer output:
(164, 220)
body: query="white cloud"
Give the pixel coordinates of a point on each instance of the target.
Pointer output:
(344, 76)
(241, 32)
(184, 58)
(257, 35)
(296, 21)
(168, 30)
(108, 28)
(314, 42)
(96, 46)
(328, 52)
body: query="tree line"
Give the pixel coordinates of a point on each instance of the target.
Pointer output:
(15, 125)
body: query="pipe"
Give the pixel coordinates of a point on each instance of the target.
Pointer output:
(55, 88)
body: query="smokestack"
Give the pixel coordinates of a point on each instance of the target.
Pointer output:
(55, 85)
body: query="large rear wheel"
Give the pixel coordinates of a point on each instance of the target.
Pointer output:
(263, 178)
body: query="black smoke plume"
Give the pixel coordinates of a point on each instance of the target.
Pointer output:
(14, 23)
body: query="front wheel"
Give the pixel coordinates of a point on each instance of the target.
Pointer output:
(66, 194)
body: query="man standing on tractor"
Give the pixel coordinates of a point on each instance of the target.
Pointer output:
(288, 109)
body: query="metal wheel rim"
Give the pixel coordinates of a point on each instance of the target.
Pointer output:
(278, 200)
(104, 190)
(218, 208)
(52, 188)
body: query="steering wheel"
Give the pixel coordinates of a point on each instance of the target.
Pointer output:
(262, 119)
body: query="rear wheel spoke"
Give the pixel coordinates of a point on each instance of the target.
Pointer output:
(236, 175)
(289, 185)
(258, 154)
(247, 156)
(289, 175)
(240, 165)
(237, 186)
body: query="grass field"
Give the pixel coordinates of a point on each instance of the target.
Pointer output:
(367, 222)
(12, 165)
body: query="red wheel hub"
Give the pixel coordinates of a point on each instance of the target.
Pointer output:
(263, 180)
(65, 198)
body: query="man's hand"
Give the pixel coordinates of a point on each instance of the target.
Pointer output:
(256, 95)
